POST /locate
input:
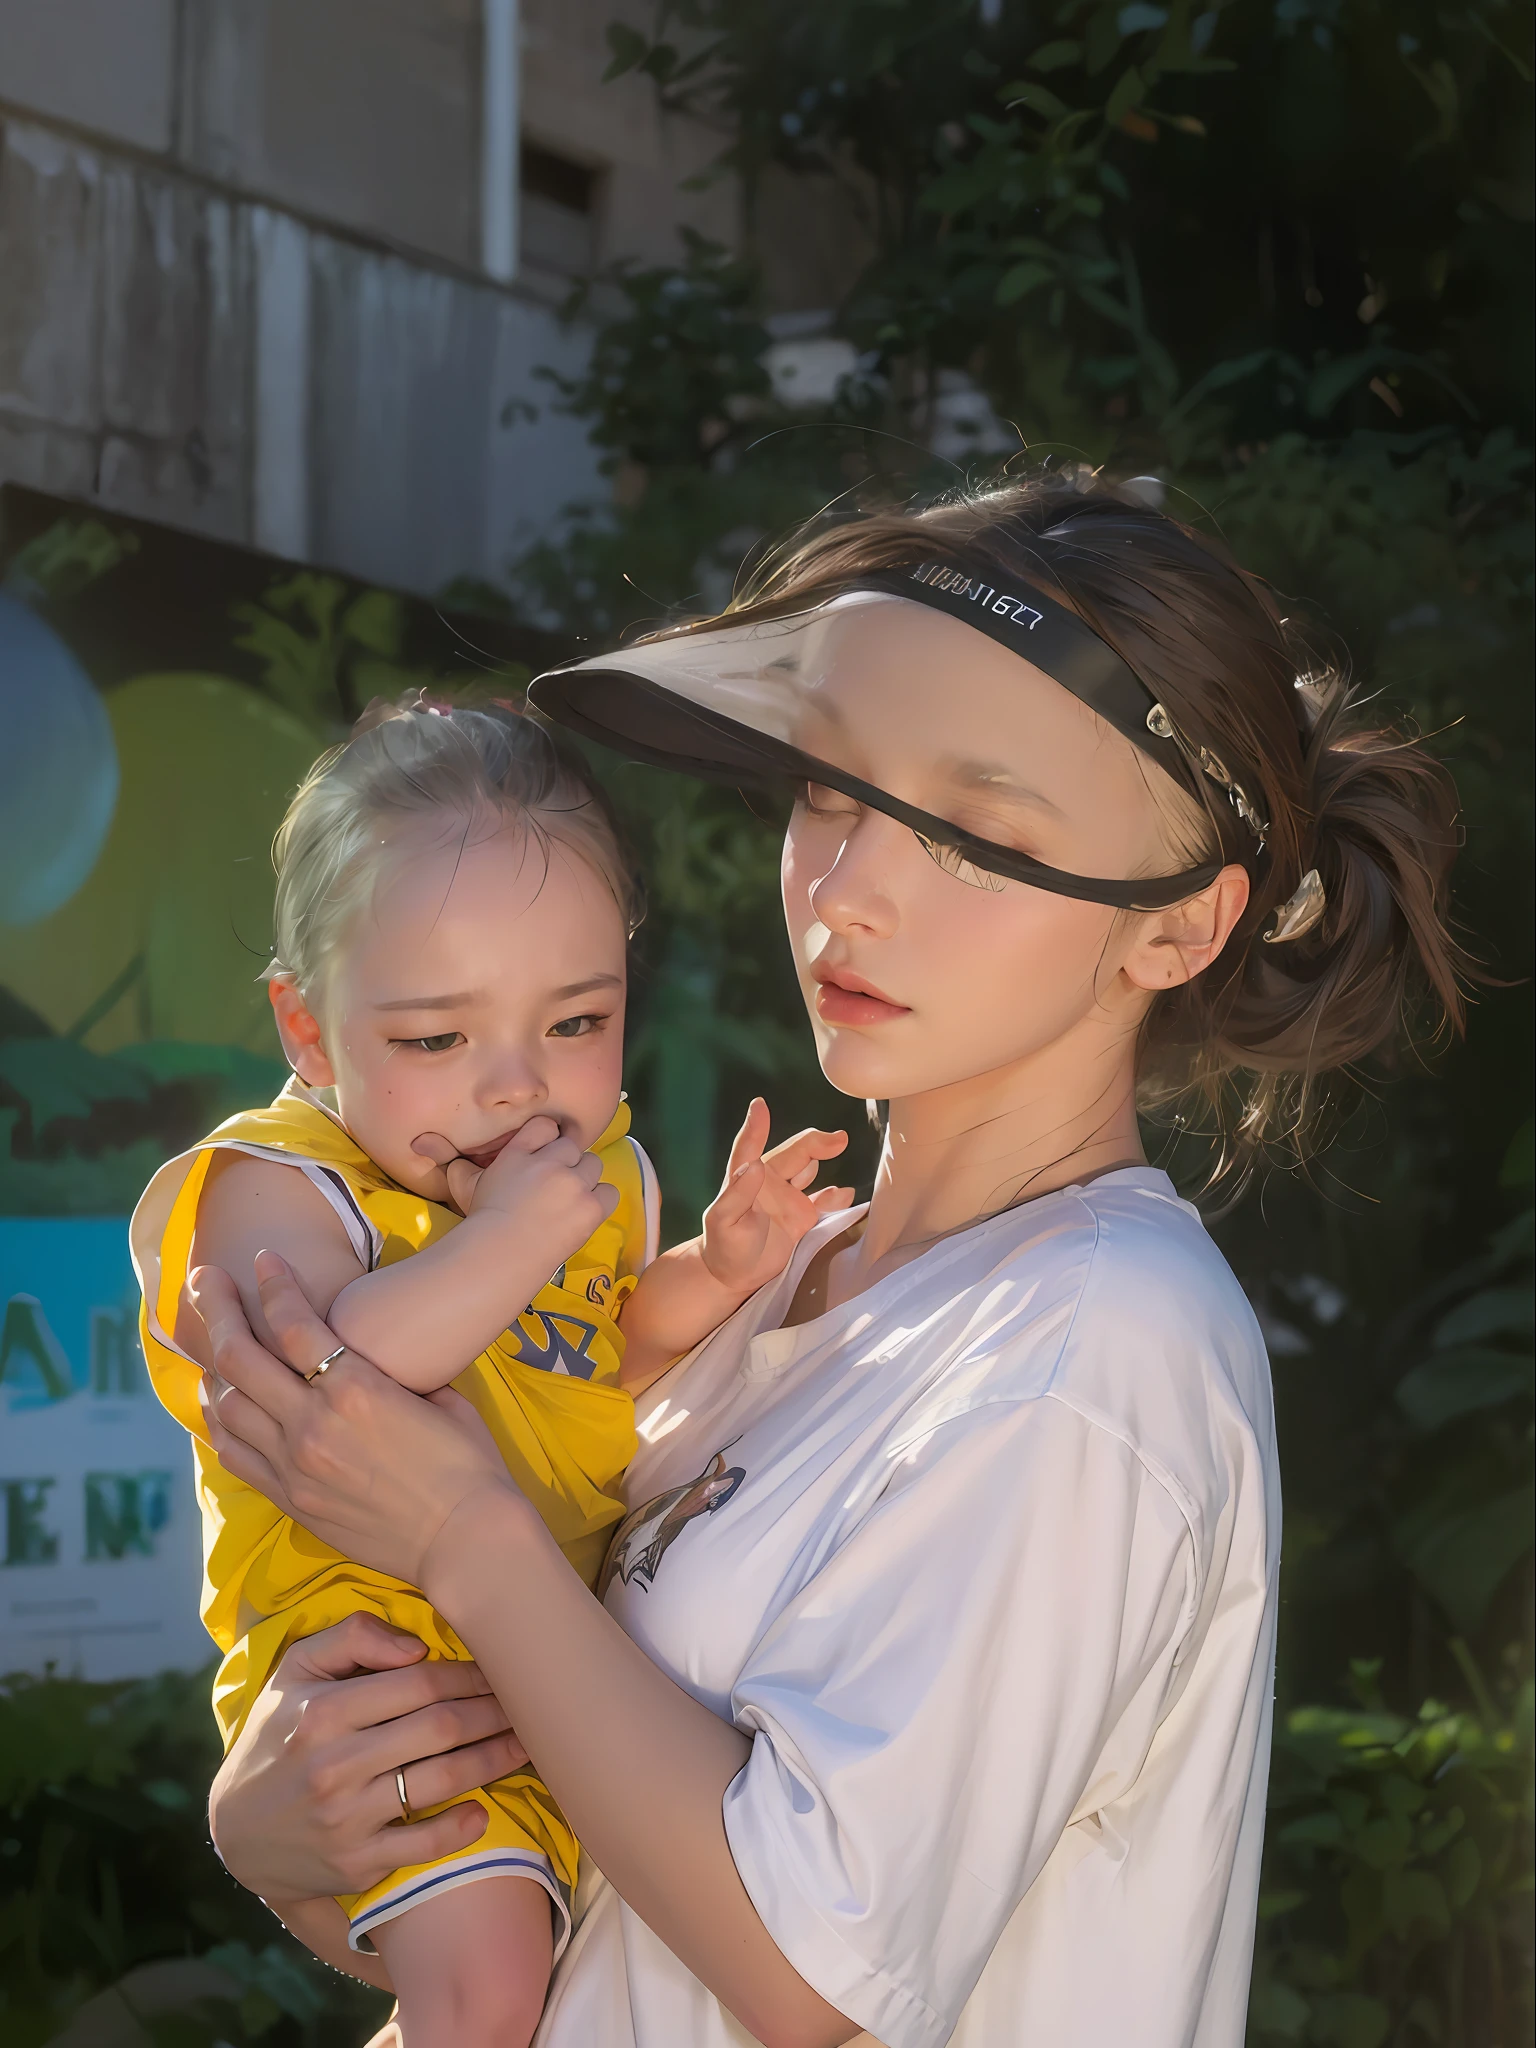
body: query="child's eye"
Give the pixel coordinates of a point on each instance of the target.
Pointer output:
(440, 1041)
(575, 1027)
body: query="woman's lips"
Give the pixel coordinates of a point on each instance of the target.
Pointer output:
(847, 998)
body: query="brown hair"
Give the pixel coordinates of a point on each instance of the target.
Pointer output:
(413, 759)
(1362, 802)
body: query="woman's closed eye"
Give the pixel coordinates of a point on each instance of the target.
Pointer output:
(438, 1041)
(823, 802)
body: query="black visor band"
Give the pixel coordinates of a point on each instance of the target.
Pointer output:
(647, 722)
(1048, 636)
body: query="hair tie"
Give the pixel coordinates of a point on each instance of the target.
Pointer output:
(1300, 912)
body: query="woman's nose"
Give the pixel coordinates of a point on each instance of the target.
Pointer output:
(855, 892)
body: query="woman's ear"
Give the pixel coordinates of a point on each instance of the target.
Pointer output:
(299, 1033)
(1176, 944)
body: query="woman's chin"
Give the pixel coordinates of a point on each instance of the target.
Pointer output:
(856, 1069)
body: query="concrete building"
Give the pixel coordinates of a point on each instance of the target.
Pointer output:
(281, 271)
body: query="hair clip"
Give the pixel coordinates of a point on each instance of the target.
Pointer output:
(1163, 728)
(1315, 687)
(1300, 912)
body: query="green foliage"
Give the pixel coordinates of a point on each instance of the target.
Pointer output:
(1398, 1882)
(678, 363)
(324, 656)
(1233, 193)
(108, 1869)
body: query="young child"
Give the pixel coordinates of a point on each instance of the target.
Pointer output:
(450, 1177)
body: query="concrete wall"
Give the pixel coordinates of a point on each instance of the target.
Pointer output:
(240, 280)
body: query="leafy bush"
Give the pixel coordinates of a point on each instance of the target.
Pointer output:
(104, 1845)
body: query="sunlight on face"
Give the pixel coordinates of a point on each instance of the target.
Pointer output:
(914, 978)
(484, 986)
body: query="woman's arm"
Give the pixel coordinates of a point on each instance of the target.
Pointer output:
(424, 1495)
(496, 1573)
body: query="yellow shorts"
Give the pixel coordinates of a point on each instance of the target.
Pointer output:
(526, 1836)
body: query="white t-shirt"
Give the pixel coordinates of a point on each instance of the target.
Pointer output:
(984, 1561)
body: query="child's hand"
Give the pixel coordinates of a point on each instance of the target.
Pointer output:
(764, 1208)
(539, 1182)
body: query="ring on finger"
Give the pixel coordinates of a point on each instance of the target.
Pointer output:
(325, 1364)
(405, 1805)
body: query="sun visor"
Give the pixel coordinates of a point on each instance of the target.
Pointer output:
(782, 702)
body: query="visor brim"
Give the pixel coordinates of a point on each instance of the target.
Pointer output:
(639, 717)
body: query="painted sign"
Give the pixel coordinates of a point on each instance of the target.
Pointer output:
(100, 1550)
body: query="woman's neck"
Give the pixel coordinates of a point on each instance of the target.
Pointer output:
(962, 1152)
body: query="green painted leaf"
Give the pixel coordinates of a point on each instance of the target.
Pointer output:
(376, 620)
(1056, 56)
(56, 1077)
(629, 49)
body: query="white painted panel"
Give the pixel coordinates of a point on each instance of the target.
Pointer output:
(50, 231)
(402, 374)
(500, 116)
(280, 456)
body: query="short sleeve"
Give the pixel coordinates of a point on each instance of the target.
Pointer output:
(983, 1660)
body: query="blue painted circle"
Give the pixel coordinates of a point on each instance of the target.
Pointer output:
(58, 769)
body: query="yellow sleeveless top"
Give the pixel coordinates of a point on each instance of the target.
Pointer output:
(547, 1388)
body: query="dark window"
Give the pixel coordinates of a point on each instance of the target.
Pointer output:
(559, 211)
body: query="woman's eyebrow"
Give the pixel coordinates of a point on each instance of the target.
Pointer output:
(994, 778)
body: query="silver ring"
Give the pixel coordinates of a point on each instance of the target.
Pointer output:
(405, 1805)
(325, 1363)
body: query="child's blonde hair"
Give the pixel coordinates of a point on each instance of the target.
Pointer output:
(413, 760)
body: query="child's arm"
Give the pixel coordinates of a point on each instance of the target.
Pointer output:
(422, 1319)
(761, 1213)
(250, 1205)
(322, 1927)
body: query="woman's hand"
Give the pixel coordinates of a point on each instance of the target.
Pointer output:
(305, 1805)
(369, 1468)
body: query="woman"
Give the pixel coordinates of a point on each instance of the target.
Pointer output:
(930, 1692)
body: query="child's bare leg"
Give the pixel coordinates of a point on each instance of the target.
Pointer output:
(471, 1966)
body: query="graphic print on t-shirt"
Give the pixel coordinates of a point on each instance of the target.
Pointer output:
(566, 1347)
(648, 1532)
